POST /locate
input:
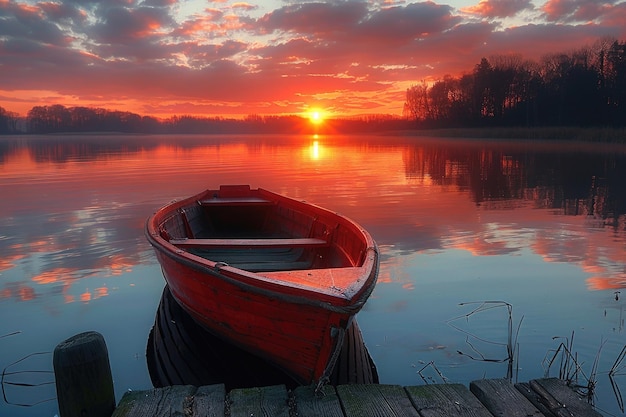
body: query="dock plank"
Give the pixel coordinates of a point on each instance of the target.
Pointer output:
(310, 404)
(159, 402)
(375, 401)
(446, 400)
(263, 401)
(502, 398)
(561, 399)
(209, 401)
(533, 397)
(484, 398)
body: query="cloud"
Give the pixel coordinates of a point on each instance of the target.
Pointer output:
(580, 10)
(118, 25)
(354, 55)
(244, 6)
(63, 12)
(353, 21)
(408, 23)
(499, 8)
(25, 22)
(616, 20)
(315, 17)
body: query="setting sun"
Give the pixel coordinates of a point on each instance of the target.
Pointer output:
(316, 116)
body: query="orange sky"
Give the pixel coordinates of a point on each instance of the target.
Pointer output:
(233, 58)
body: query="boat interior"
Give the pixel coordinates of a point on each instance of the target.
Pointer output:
(263, 235)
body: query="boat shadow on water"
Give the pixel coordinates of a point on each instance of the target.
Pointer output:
(181, 352)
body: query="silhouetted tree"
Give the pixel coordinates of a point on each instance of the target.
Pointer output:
(615, 82)
(483, 97)
(586, 87)
(8, 121)
(416, 105)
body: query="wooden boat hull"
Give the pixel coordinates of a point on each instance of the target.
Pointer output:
(295, 318)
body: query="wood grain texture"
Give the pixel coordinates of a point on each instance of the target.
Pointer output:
(446, 400)
(269, 401)
(310, 404)
(561, 399)
(502, 398)
(160, 402)
(375, 401)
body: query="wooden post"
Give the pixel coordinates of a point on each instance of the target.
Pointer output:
(83, 377)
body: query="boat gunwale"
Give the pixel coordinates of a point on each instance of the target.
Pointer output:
(349, 301)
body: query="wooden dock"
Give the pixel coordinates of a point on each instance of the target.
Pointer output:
(485, 398)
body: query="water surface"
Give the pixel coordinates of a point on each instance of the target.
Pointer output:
(466, 229)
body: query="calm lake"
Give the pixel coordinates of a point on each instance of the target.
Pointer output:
(466, 228)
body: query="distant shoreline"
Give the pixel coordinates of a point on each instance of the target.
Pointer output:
(573, 134)
(564, 134)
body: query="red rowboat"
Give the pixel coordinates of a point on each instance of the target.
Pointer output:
(278, 277)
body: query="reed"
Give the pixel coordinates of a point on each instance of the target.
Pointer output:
(429, 379)
(26, 379)
(511, 346)
(564, 357)
(616, 370)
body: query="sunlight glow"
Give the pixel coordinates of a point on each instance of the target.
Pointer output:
(316, 116)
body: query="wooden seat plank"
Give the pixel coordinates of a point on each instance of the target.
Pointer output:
(235, 201)
(252, 243)
(271, 266)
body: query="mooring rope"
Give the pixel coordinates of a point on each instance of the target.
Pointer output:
(341, 334)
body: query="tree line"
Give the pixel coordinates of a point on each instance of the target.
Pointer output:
(60, 119)
(586, 87)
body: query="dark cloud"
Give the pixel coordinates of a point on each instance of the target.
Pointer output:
(20, 21)
(314, 18)
(63, 12)
(407, 23)
(121, 25)
(384, 37)
(353, 21)
(159, 3)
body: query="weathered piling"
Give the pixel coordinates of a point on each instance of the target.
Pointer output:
(83, 376)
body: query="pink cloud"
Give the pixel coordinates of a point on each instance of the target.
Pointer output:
(616, 18)
(579, 10)
(244, 6)
(499, 8)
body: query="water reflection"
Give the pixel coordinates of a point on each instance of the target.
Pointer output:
(78, 203)
(535, 224)
(181, 352)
